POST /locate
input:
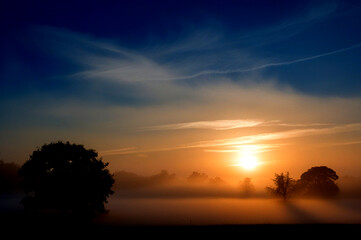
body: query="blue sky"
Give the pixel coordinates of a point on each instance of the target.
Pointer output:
(84, 70)
(264, 31)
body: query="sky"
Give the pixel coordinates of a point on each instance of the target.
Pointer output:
(185, 85)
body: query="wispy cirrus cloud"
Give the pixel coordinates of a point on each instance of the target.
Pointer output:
(263, 66)
(106, 60)
(101, 59)
(119, 151)
(346, 143)
(216, 125)
(261, 138)
(227, 124)
(255, 148)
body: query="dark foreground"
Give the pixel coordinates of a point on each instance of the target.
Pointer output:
(50, 225)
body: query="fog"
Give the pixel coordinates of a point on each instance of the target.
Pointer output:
(210, 211)
(199, 199)
(166, 185)
(202, 185)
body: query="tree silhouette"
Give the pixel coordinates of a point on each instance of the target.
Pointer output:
(197, 177)
(66, 177)
(246, 186)
(318, 182)
(284, 186)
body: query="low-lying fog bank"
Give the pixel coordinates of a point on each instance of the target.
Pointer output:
(215, 211)
(165, 199)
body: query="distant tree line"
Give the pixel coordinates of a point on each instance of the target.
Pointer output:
(127, 180)
(197, 177)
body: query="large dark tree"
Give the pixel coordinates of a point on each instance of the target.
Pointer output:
(318, 182)
(66, 177)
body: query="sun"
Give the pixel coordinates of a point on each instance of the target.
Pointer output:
(248, 159)
(248, 162)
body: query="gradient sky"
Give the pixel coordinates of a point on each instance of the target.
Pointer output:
(185, 85)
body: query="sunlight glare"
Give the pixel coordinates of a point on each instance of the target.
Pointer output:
(248, 159)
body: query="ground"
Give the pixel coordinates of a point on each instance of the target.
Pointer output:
(169, 218)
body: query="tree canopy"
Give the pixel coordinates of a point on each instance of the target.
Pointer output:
(318, 182)
(66, 177)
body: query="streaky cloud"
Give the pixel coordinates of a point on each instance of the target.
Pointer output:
(101, 59)
(227, 125)
(264, 66)
(216, 125)
(239, 142)
(119, 151)
(255, 148)
(347, 143)
(259, 138)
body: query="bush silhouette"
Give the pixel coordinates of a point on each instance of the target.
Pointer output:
(318, 182)
(66, 177)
